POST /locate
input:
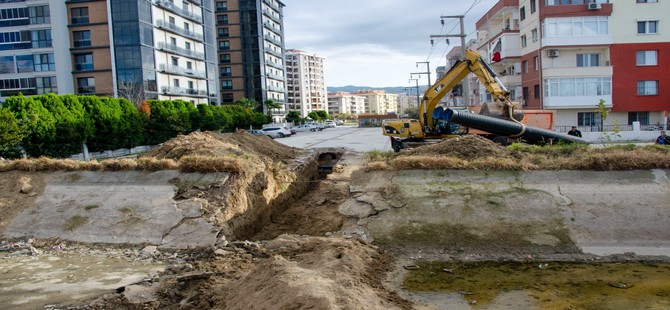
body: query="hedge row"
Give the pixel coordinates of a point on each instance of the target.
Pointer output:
(56, 125)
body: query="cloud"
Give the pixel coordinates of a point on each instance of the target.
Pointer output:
(374, 42)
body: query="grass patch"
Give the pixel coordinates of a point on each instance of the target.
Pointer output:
(91, 207)
(75, 222)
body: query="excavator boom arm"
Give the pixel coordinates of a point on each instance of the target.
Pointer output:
(471, 63)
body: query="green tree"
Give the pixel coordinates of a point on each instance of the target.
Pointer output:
(10, 134)
(270, 105)
(38, 123)
(323, 115)
(412, 112)
(248, 104)
(604, 112)
(293, 117)
(313, 115)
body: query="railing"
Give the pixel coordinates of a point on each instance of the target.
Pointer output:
(179, 30)
(272, 64)
(184, 91)
(269, 14)
(273, 40)
(182, 71)
(180, 50)
(595, 128)
(188, 14)
(273, 52)
(274, 76)
(272, 27)
(273, 5)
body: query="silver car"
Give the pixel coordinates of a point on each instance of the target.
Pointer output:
(276, 132)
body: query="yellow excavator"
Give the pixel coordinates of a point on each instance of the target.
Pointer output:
(499, 121)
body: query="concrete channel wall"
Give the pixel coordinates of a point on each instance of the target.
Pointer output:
(533, 212)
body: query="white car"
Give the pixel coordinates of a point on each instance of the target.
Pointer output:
(329, 124)
(276, 132)
(306, 127)
(319, 126)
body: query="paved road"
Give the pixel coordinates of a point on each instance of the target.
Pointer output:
(357, 139)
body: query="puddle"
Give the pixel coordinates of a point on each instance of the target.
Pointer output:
(32, 282)
(547, 285)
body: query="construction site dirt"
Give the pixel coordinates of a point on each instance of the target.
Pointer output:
(289, 228)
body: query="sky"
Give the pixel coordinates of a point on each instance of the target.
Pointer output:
(378, 43)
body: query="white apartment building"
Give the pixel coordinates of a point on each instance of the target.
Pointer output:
(379, 102)
(345, 103)
(306, 82)
(30, 63)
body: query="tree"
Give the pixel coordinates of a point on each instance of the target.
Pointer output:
(39, 124)
(293, 117)
(10, 135)
(248, 104)
(412, 112)
(323, 115)
(313, 115)
(270, 105)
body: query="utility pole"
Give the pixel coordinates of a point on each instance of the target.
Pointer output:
(418, 101)
(425, 72)
(465, 83)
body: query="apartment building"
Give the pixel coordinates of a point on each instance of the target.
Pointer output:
(306, 82)
(379, 102)
(128, 48)
(346, 103)
(31, 60)
(574, 53)
(250, 43)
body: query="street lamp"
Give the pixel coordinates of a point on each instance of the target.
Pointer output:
(418, 101)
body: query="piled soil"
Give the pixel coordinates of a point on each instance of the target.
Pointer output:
(466, 147)
(212, 144)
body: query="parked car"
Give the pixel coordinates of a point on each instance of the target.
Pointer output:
(330, 124)
(339, 123)
(256, 132)
(276, 132)
(319, 126)
(306, 127)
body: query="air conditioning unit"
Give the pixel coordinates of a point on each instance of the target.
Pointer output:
(594, 6)
(553, 53)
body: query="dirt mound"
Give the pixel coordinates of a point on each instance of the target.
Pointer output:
(464, 147)
(213, 144)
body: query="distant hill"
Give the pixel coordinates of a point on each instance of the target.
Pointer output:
(352, 89)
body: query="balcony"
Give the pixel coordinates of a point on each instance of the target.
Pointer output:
(273, 52)
(272, 27)
(275, 76)
(575, 102)
(164, 46)
(276, 89)
(274, 65)
(180, 91)
(177, 10)
(273, 5)
(273, 40)
(182, 71)
(179, 30)
(577, 72)
(269, 14)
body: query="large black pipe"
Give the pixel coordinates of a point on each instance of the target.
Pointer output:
(502, 127)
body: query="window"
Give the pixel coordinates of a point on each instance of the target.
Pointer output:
(46, 85)
(533, 34)
(81, 38)
(86, 85)
(536, 91)
(190, 84)
(526, 93)
(522, 13)
(187, 27)
(536, 63)
(646, 58)
(224, 32)
(525, 66)
(647, 88)
(175, 61)
(642, 117)
(83, 62)
(187, 45)
(647, 1)
(189, 65)
(588, 119)
(588, 60)
(79, 15)
(221, 6)
(173, 41)
(577, 87)
(523, 41)
(176, 82)
(575, 26)
(226, 71)
(227, 98)
(647, 27)
(171, 21)
(222, 19)
(224, 58)
(7, 64)
(39, 15)
(41, 38)
(533, 7)
(224, 45)
(44, 62)
(226, 84)
(24, 63)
